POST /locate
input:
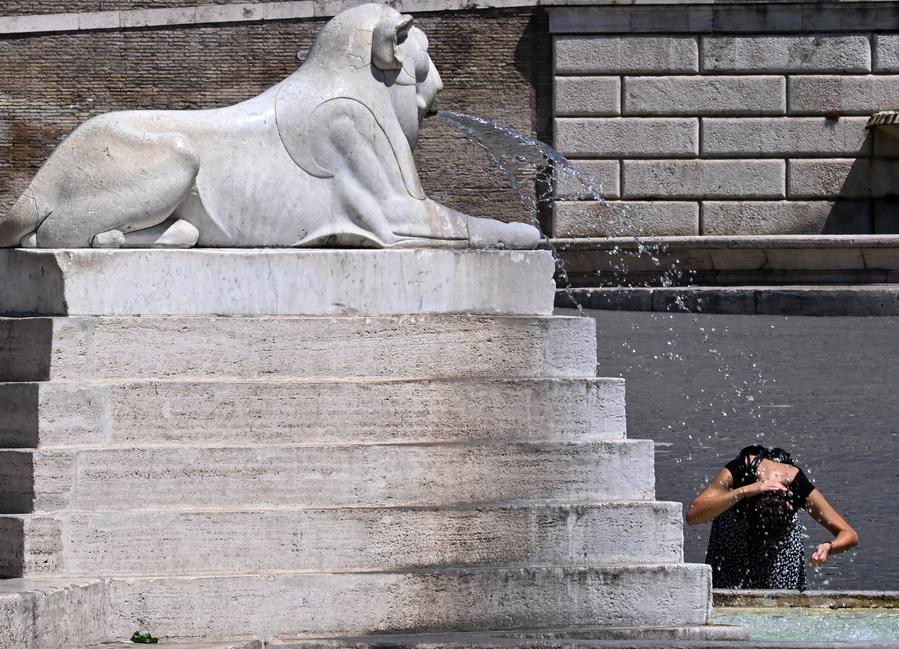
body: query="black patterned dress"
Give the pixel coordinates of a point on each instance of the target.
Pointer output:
(743, 550)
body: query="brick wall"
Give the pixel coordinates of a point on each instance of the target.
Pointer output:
(51, 82)
(728, 119)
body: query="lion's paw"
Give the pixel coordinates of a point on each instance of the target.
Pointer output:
(488, 233)
(109, 239)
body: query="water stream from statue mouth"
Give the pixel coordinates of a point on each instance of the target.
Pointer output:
(555, 178)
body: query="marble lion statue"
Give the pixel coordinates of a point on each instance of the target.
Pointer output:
(322, 158)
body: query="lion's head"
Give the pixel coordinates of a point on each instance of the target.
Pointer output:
(376, 41)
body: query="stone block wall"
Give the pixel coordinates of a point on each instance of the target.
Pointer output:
(727, 119)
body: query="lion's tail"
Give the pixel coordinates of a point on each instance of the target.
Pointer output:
(22, 219)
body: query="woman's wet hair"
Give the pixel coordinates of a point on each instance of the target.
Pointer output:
(771, 513)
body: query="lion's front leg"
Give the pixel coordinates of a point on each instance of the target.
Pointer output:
(172, 233)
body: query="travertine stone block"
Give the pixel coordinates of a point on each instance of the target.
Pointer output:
(627, 137)
(704, 95)
(356, 539)
(886, 53)
(289, 9)
(274, 282)
(597, 54)
(132, 413)
(410, 475)
(229, 13)
(756, 54)
(587, 96)
(52, 613)
(837, 16)
(469, 599)
(601, 176)
(161, 16)
(589, 20)
(38, 349)
(843, 95)
(846, 178)
(785, 217)
(767, 18)
(659, 18)
(703, 178)
(38, 22)
(785, 136)
(625, 218)
(100, 20)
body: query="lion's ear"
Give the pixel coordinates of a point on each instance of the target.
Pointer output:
(385, 41)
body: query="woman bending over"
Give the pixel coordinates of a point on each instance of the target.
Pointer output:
(756, 539)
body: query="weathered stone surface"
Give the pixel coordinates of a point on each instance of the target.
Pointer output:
(704, 95)
(587, 96)
(785, 136)
(456, 599)
(627, 137)
(758, 18)
(685, 18)
(625, 54)
(274, 282)
(846, 178)
(601, 176)
(202, 644)
(785, 217)
(625, 218)
(842, 95)
(51, 613)
(886, 53)
(52, 414)
(756, 54)
(703, 178)
(37, 349)
(357, 539)
(411, 475)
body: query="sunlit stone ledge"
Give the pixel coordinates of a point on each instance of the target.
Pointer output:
(332, 282)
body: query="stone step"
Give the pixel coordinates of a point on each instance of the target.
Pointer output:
(428, 475)
(271, 541)
(52, 613)
(471, 599)
(708, 636)
(221, 644)
(96, 348)
(275, 281)
(53, 414)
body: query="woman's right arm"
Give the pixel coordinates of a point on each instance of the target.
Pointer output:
(720, 496)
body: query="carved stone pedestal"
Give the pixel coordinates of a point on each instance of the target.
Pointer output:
(237, 444)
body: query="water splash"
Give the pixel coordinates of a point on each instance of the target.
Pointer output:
(553, 178)
(540, 176)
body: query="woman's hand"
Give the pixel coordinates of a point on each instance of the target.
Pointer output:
(765, 486)
(819, 556)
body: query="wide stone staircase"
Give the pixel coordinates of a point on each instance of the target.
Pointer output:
(343, 471)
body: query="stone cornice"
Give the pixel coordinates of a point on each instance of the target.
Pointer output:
(296, 9)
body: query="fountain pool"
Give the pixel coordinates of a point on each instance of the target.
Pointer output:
(814, 624)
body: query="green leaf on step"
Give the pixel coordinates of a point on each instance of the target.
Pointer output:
(143, 638)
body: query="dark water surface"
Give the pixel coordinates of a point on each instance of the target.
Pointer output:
(826, 389)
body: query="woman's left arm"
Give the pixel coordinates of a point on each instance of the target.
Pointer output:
(844, 536)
